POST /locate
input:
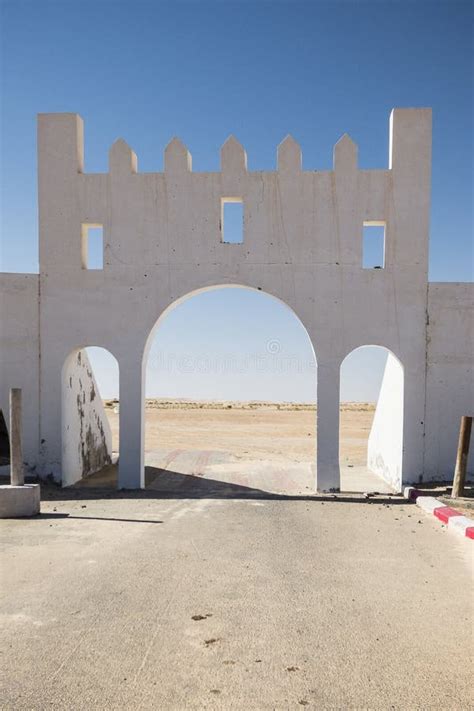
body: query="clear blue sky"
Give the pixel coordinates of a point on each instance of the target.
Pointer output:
(260, 70)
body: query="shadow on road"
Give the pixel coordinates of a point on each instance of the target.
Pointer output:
(166, 484)
(42, 516)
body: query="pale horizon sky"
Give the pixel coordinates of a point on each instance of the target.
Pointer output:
(147, 71)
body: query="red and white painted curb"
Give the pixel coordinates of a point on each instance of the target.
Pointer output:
(455, 521)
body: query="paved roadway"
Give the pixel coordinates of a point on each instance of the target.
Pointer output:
(233, 603)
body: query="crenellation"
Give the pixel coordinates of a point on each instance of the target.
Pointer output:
(289, 157)
(122, 159)
(233, 158)
(178, 159)
(345, 156)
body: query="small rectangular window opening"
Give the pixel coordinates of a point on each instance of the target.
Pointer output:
(92, 247)
(232, 221)
(373, 247)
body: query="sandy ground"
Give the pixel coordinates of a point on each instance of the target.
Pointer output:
(251, 446)
(250, 431)
(124, 602)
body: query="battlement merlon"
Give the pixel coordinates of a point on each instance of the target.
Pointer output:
(68, 197)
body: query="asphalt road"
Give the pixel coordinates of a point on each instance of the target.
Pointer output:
(259, 603)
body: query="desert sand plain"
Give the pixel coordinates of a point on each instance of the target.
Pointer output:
(243, 446)
(280, 432)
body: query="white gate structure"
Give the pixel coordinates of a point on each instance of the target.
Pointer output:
(302, 243)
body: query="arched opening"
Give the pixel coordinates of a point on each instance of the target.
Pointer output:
(4, 445)
(230, 396)
(89, 418)
(371, 421)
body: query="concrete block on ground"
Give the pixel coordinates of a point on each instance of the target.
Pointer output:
(19, 501)
(428, 503)
(459, 524)
(445, 513)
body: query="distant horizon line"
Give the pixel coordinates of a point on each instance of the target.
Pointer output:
(223, 402)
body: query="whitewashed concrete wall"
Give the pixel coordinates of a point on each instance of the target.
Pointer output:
(86, 433)
(302, 244)
(450, 375)
(385, 447)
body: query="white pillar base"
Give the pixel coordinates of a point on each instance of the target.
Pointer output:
(19, 501)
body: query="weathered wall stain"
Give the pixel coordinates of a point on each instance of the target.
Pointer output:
(87, 441)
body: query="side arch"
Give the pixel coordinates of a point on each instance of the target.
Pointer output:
(385, 441)
(86, 436)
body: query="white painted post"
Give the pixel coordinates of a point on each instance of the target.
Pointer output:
(17, 476)
(328, 475)
(461, 459)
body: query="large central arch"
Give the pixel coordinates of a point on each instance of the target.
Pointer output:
(235, 286)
